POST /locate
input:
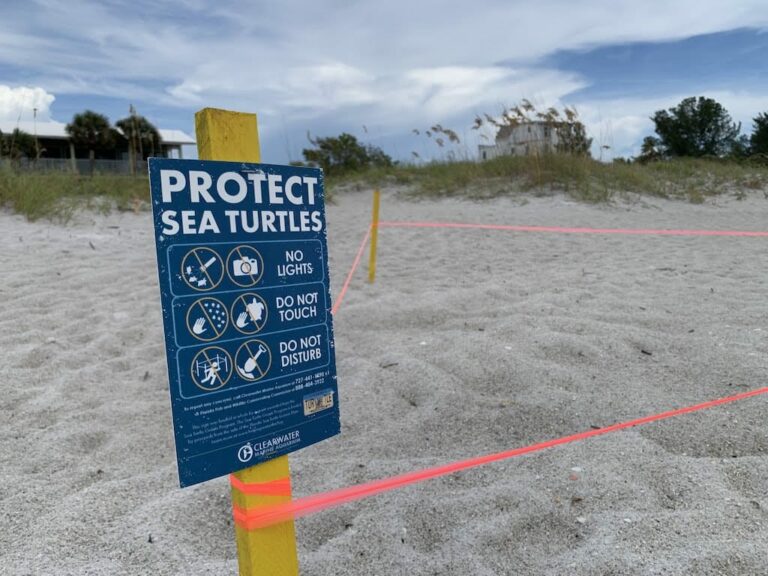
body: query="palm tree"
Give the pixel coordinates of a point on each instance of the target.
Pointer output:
(16, 145)
(143, 138)
(90, 130)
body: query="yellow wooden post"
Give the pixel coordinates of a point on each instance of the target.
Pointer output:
(374, 237)
(234, 136)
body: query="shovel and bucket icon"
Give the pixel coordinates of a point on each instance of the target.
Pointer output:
(252, 362)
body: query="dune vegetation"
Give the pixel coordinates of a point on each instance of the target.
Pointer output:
(580, 177)
(58, 196)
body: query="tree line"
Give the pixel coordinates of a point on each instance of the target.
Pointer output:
(701, 127)
(345, 154)
(697, 127)
(92, 131)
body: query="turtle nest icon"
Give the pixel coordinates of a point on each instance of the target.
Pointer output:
(217, 313)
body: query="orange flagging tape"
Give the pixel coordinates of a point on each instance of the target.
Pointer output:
(572, 230)
(269, 515)
(355, 264)
(280, 487)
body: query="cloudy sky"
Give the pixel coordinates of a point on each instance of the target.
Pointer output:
(381, 69)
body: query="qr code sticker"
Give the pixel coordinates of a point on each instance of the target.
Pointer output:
(318, 403)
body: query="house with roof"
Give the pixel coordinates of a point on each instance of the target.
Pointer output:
(522, 139)
(58, 152)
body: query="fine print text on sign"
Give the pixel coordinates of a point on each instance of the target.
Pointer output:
(243, 268)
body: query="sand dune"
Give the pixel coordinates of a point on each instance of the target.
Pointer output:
(469, 342)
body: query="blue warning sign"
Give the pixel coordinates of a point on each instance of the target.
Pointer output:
(245, 293)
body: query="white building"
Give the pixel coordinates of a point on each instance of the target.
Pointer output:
(523, 139)
(58, 151)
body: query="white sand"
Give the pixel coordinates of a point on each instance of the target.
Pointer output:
(470, 342)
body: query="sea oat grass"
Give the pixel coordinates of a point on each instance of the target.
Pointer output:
(580, 177)
(57, 196)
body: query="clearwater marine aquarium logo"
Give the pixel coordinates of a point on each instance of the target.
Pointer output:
(245, 453)
(262, 447)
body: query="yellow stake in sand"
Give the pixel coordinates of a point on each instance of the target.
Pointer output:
(234, 136)
(374, 237)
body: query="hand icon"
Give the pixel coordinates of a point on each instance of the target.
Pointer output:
(198, 326)
(242, 320)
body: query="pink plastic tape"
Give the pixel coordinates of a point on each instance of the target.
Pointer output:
(351, 273)
(281, 487)
(572, 230)
(269, 515)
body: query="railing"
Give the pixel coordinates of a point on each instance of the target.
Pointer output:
(81, 165)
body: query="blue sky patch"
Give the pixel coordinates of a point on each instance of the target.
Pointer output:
(732, 60)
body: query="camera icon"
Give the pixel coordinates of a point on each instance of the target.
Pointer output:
(245, 267)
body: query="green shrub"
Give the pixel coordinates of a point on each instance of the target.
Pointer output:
(344, 154)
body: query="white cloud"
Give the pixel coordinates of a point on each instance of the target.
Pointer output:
(20, 103)
(398, 64)
(449, 91)
(401, 99)
(204, 50)
(325, 86)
